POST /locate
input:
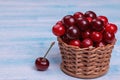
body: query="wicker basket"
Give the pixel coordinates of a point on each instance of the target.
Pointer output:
(85, 62)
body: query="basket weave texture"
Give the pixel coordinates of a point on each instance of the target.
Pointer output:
(85, 62)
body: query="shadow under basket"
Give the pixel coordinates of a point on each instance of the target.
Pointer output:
(85, 62)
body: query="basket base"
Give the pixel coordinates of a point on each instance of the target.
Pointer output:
(82, 76)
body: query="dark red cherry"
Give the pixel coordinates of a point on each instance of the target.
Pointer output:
(100, 44)
(104, 19)
(87, 42)
(65, 38)
(73, 32)
(89, 19)
(58, 30)
(78, 15)
(42, 64)
(83, 23)
(75, 43)
(86, 34)
(97, 24)
(96, 36)
(90, 14)
(59, 22)
(68, 20)
(112, 28)
(108, 37)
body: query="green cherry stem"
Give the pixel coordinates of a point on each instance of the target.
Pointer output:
(49, 49)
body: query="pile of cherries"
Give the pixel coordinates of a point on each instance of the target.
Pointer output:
(85, 30)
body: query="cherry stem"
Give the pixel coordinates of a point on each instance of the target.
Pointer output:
(49, 49)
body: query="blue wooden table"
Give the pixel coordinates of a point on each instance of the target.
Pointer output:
(25, 34)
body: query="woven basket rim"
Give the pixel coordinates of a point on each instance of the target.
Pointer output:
(91, 47)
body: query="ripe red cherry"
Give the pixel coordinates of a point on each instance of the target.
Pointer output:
(75, 43)
(83, 24)
(59, 22)
(86, 34)
(112, 28)
(97, 24)
(73, 32)
(96, 36)
(90, 14)
(78, 15)
(68, 20)
(58, 30)
(89, 19)
(42, 63)
(87, 42)
(65, 38)
(108, 37)
(104, 19)
(100, 44)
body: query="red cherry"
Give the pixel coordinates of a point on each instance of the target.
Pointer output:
(75, 43)
(100, 44)
(87, 42)
(68, 20)
(59, 22)
(42, 64)
(90, 14)
(65, 38)
(78, 15)
(58, 30)
(73, 32)
(112, 28)
(96, 36)
(83, 24)
(89, 19)
(86, 34)
(104, 19)
(97, 24)
(108, 37)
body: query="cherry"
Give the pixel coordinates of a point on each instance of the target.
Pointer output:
(86, 34)
(87, 42)
(108, 37)
(78, 15)
(59, 22)
(112, 28)
(75, 43)
(68, 20)
(96, 36)
(97, 24)
(73, 32)
(83, 23)
(65, 38)
(104, 19)
(42, 63)
(58, 30)
(100, 44)
(90, 14)
(89, 19)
